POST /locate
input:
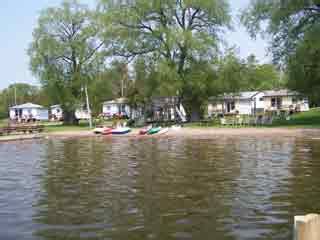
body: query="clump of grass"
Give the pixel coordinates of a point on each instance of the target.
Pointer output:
(63, 128)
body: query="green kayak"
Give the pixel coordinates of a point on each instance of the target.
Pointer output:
(154, 130)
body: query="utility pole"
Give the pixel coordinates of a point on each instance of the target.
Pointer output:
(122, 87)
(88, 105)
(15, 95)
(124, 78)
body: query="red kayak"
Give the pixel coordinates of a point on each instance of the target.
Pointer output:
(145, 130)
(107, 131)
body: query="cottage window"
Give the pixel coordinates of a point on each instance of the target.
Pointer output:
(231, 106)
(276, 102)
(294, 100)
(261, 99)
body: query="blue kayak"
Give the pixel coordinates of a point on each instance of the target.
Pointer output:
(121, 130)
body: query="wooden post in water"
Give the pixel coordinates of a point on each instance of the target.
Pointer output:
(307, 227)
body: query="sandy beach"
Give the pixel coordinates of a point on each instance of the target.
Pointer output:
(205, 132)
(183, 132)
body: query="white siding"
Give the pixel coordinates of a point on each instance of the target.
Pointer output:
(35, 113)
(244, 107)
(214, 108)
(81, 114)
(42, 114)
(300, 104)
(57, 112)
(110, 109)
(259, 101)
(12, 114)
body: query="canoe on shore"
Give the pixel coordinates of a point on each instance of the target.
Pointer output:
(120, 131)
(163, 131)
(154, 130)
(145, 130)
(101, 130)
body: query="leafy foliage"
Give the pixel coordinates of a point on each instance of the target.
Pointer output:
(66, 53)
(176, 35)
(294, 27)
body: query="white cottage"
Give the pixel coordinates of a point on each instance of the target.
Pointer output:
(285, 100)
(57, 113)
(28, 112)
(117, 106)
(244, 103)
(81, 113)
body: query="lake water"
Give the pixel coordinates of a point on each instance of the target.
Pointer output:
(166, 188)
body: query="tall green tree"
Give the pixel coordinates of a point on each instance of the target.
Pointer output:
(236, 74)
(294, 28)
(109, 84)
(177, 34)
(66, 53)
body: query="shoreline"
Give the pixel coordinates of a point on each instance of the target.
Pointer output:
(183, 132)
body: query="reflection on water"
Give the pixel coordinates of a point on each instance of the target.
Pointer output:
(169, 188)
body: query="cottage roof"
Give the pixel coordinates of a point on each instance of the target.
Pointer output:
(247, 95)
(280, 93)
(27, 106)
(117, 101)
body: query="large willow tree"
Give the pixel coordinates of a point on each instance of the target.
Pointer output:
(180, 36)
(66, 53)
(294, 27)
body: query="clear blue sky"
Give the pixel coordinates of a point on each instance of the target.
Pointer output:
(18, 18)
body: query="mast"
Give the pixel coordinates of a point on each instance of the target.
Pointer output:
(15, 94)
(88, 105)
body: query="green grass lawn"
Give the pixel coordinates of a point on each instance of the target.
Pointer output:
(59, 127)
(3, 122)
(62, 128)
(310, 119)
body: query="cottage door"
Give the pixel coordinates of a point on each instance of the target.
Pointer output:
(228, 107)
(279, 103)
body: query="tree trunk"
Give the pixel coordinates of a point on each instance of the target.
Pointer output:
(195, 114)
(69, 118)
(194, 111)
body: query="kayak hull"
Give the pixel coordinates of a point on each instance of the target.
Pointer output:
(120, 131)
(107, 132)
(101, 130)
(145, 130)
(154, 130)
(163, 131)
